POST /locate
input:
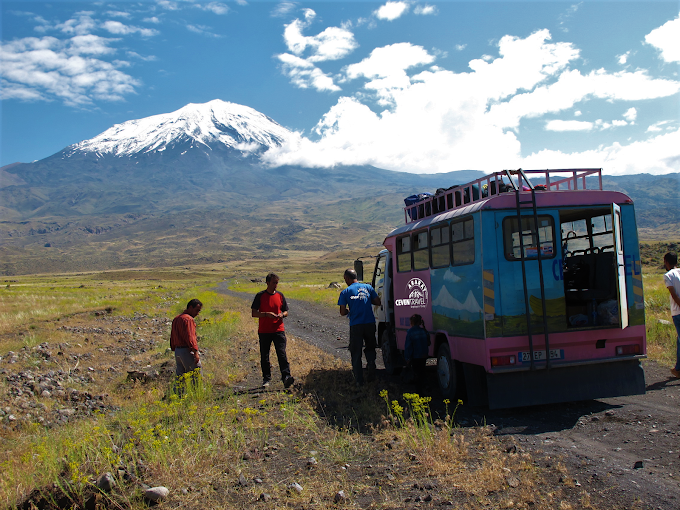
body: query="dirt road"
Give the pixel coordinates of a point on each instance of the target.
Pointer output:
(627, 448)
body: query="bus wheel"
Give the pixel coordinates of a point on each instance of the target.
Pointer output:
(389, 353)
(446, 372)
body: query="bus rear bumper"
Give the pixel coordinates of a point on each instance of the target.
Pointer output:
(565, 384)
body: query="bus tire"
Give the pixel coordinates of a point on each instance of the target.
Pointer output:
(447, 375)
(389, 353)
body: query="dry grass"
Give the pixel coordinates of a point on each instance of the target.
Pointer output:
(210, 446)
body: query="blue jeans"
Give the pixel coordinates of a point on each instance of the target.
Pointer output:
(676, 321)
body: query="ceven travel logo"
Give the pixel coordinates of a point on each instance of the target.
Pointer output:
(417, 294)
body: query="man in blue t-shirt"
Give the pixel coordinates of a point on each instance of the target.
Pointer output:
(359, 297)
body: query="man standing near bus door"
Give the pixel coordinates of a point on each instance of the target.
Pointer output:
(672, 281)
(270, 307)
(359, 297)
(183, 339)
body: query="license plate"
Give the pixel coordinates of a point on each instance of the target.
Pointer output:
(540, 355)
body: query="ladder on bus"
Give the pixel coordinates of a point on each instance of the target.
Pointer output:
(519, 189)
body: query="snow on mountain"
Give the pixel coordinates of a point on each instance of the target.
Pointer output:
(208, 124)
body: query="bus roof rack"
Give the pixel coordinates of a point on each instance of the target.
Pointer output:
(483, 188)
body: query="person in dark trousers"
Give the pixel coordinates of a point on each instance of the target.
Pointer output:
(183, 339)
(356, 301)
(416, 347)
(672, 282)
(270, 307)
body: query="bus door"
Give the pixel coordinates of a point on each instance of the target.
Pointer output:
(620, 265)
(379, 286)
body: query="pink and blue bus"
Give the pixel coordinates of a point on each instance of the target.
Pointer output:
(529, 283)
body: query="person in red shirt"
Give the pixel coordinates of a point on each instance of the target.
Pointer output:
(183, 339)
(270, 307)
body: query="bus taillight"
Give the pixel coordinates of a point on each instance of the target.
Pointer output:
(622, 350)
(499, 361)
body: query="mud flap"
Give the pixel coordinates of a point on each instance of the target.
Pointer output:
(565, 384)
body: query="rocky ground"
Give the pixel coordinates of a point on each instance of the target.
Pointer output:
(625, 451)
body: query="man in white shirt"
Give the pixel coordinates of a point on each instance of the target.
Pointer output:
(672, 281)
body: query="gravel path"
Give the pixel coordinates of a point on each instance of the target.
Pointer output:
(626, 447)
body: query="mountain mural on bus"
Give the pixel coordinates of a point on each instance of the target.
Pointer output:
(456, 306)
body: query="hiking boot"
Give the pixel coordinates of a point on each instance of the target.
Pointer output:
(675, 373)
(265, 383)
(288, 381)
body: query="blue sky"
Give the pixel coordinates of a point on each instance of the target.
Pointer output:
(411, 86)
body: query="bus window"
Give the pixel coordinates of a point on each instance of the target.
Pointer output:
(404, 254)
(421, 258)
(463, 242)
(586, 231)
(439, 245)
(546, 237)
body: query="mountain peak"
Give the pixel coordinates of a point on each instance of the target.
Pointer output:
(208, 125)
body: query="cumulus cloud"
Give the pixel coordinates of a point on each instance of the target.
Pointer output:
(152, 19)
(391, 10)
(425, 10)
(656, 155)
(214, 7)
(283, 9)
(666, 39)
(435, 120)
(568, 125)
(116, 27)
(48, 68)
(623, 59)
(333, 43)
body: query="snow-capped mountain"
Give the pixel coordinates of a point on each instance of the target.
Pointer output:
(212, 125)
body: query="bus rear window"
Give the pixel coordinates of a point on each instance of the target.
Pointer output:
(421, 255)
(463, 242)
(531, 240)
(404, 254)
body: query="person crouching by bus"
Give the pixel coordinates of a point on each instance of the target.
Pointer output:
(672, 281)
(415, 349)
(183, 339)
(270, 307)
(359, 297)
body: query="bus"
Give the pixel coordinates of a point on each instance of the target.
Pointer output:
(530, 290)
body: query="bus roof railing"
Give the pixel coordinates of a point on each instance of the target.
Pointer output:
(459, 195)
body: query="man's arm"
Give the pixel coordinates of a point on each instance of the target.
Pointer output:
(674, 295)
(376, 301)
(343, 310)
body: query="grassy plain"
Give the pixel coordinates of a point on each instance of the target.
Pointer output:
(224, 444)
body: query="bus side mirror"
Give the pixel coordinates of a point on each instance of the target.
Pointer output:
(359, 268)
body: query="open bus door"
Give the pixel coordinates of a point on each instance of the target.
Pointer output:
(620, 266)
(378, 284)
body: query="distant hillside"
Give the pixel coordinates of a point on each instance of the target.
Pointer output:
(189, 186)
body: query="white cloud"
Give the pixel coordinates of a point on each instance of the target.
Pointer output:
(202, 29)
(48, 68)
(666, 39)
(425, 10)
(567, 15)
(214, 7)
(118, 14)
(568, 125)
(283, 9)
(134, 54)
(461, 47)
(623, 58)
(656, 155)
(577, 113)
(304, 74)
(438, 120)
(391, 10)
(332, 44)
(166, 4)
(116, 27)
(631, 114)
(83, 23)
(152, 19)
(659, 126)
